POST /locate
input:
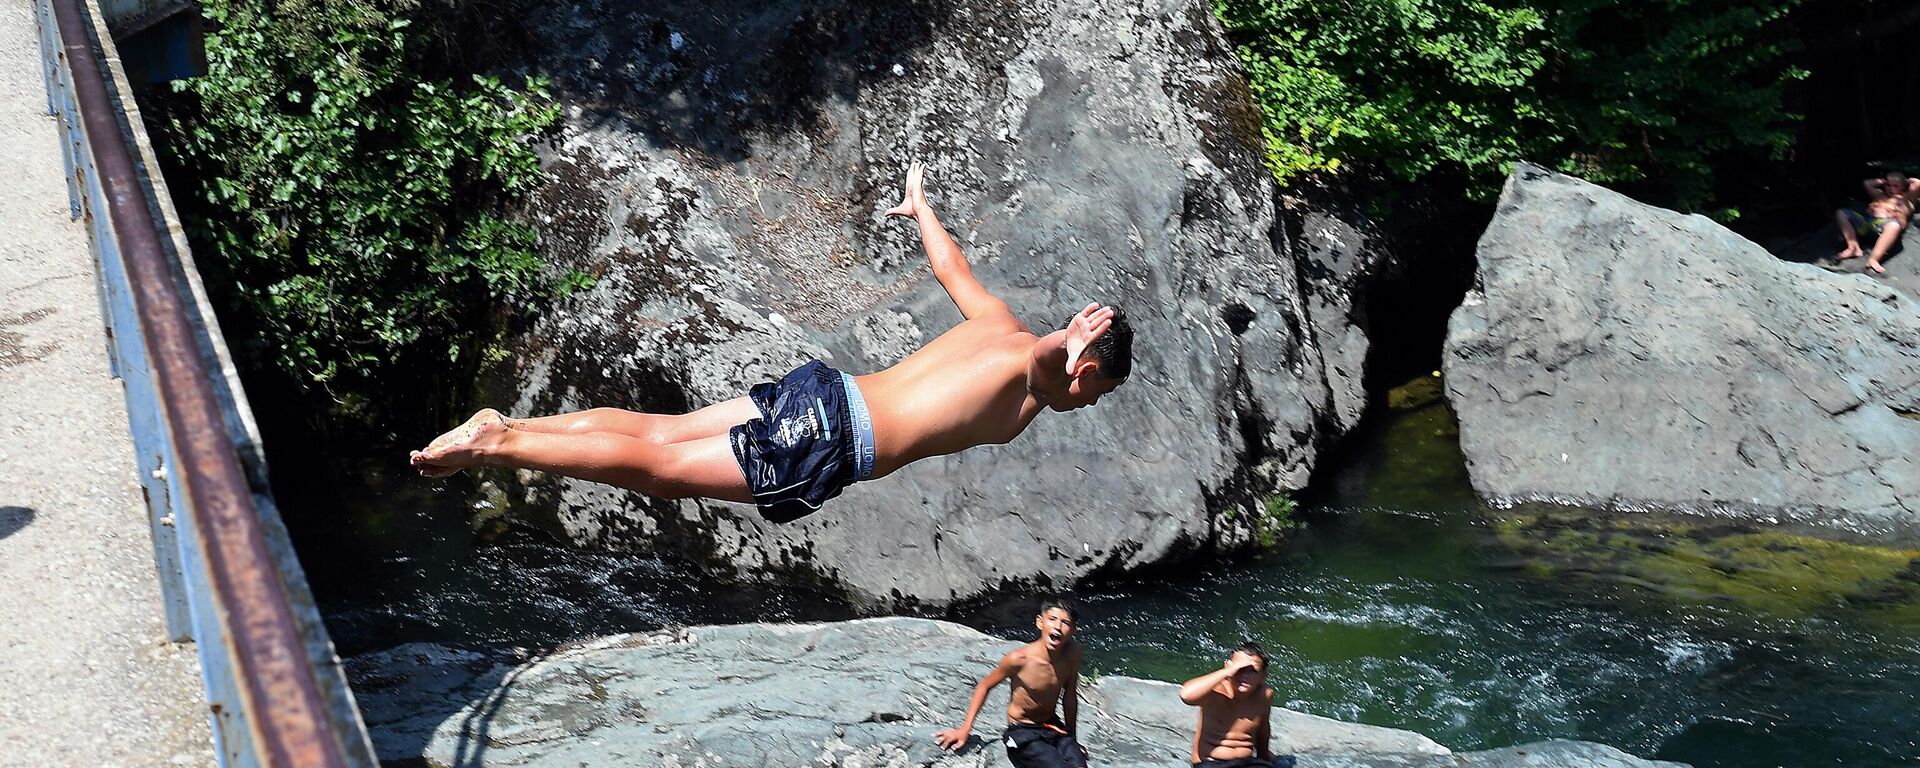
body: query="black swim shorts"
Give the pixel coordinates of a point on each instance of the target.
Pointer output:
(812, 440)
(1281, 761)
(1042, 746)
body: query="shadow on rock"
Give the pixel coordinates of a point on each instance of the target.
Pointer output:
(12, 519)
(1818, 248)
(430, 693)
(705, 77)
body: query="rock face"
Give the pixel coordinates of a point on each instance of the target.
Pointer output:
(862, 693)
(722, 169)
(1614, 353)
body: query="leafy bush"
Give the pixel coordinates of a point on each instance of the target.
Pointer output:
(1619, 91)
(354, 206)
(1275, 518)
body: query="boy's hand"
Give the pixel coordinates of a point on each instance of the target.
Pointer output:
(1234, 666)
(1084, 329)
(953, 739)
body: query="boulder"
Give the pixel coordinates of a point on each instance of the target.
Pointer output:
(1619, 355)
(861, 693)
(722, 169)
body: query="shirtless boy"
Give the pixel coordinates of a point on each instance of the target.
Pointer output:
(1234, 703)
(1888, 209)
(790, 445)
(1043, 672)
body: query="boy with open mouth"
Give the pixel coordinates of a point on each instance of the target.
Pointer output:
(1043, 673)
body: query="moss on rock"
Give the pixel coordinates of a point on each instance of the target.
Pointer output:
(1762, 573)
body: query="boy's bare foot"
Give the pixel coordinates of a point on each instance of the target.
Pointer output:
(910, 206)
(460, 447)
(1851, 251)
(1875, 266)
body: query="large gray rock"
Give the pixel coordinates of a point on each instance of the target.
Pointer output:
(855, 694)
(722, 169)
(1614, 353)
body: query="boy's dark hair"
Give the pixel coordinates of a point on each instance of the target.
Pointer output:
(1114, 349)
(1253, 649)
(1060, 602)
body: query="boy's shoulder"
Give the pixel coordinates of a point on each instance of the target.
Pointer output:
(1022, 653)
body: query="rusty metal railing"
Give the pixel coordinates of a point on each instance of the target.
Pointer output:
(276, 695)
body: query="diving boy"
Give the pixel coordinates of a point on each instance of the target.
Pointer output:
(790, 445)
(1235, 706)
(1042, 673)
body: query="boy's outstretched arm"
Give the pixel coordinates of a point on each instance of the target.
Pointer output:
(949, 263)
(957, 737)
(1070, 700)
(1197, 689)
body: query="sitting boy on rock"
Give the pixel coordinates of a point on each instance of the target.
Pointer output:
(1042, 673)
(1235, 704)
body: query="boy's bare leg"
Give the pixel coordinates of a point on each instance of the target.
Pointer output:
(1846, 233)
(657, 428)
(704, 467)
(1888, 237)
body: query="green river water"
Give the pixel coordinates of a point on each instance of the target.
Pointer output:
(1404, 601)
(1399, 601)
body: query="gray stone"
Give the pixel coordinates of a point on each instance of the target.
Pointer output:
(854, 694)
(722, 171)
(1617, 354)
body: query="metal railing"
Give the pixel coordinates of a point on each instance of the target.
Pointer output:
(275, 691)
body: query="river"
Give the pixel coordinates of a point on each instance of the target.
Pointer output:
(1399, 600)
(1404, 601)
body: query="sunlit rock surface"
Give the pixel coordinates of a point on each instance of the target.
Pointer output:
(1617, 354)
(722, 169)
(860, 693)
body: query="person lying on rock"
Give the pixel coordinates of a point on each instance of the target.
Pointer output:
(788, 446)
(1235, 704)
(1884, 219)
(1042, 672)
(1888, 185)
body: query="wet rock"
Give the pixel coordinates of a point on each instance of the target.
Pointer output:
(722, 169)
(861, 693)
(1617, 354)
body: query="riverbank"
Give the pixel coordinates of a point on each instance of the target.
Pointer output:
(858, 693)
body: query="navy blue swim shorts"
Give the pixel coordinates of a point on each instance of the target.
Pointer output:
(1280, 761)
(814, 438)
(1042, 746)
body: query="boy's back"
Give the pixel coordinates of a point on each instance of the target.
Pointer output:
(965, 388)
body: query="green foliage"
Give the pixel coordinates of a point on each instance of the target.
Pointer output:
(1275, 518)
(1635, 91)
(353, 205)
